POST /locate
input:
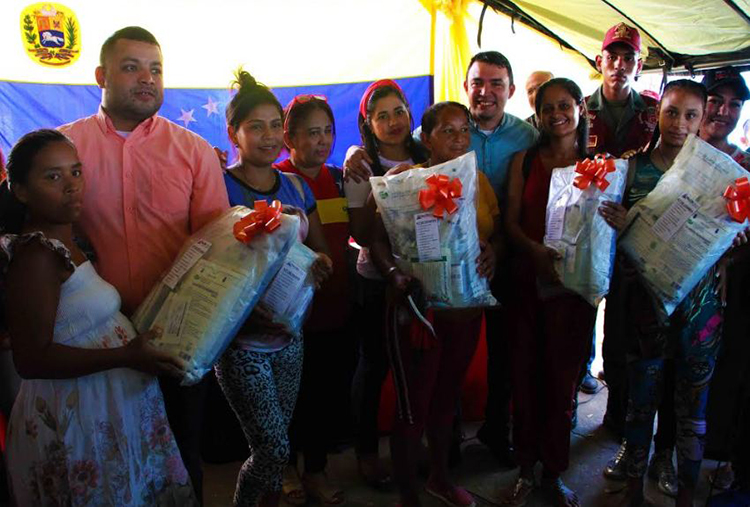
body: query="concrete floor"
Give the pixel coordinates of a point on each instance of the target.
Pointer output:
(591, 447)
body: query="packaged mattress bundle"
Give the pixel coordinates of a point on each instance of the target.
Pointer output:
(290, 293)
(685, 224)
(430, 217)
(574, 227)
(217, 278)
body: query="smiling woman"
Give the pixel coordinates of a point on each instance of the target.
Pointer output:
(262, 368)
(428, 379)
(548, 349)
(665, 365)
(383, 111)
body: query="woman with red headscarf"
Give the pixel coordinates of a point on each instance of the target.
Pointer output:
(385, 128)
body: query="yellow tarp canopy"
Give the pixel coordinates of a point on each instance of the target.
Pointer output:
(675, 32)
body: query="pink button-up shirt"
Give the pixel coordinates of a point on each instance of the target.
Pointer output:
(145, 194)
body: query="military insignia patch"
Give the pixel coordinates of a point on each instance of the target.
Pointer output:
(591, 118)
(51, 34)
(622, 31)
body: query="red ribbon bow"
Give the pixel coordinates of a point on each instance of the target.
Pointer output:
(262, 218)
(440, 193)
(594, 171)
(738, 205)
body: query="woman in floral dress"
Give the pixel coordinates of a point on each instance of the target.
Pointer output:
(87, 428)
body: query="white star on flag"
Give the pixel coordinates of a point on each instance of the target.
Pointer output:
(211, 107)
(186, 117)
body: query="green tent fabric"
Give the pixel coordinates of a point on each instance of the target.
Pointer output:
(676, 33)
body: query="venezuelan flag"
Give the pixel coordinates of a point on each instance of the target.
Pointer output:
(333, 48)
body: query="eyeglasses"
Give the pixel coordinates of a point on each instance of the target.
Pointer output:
(299, 100)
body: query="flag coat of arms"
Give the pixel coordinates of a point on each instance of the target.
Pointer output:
(51, 34)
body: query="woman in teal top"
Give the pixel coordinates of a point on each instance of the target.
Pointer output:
(644, 178)
(690, 337)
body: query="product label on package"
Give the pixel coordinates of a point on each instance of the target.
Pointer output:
(185, 262)
(187, 318)
(284, 287)
(435, 277)
(556, 222)
(457, 278)
(675, 217)
(428, 237)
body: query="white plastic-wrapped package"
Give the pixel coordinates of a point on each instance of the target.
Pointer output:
(290, 293)
(578, 232)
(440, 252)
(211, 288)
(681, 228)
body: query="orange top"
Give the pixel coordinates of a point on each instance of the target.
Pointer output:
(487, 207)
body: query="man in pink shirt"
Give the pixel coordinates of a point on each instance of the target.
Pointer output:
(150, 184)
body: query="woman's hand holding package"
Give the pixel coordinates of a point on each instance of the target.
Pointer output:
(397, 169)
(543, 257)
(400, 284)
(261, 321)
(486, 261)
(741, 238)
(614, 214)
(321, 269)
(143, 356)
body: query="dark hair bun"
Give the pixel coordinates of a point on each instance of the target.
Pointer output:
(249, 94)
(243, 80)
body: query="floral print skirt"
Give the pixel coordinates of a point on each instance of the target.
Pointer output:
(102, 439)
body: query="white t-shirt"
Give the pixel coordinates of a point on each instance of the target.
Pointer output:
(356, 197)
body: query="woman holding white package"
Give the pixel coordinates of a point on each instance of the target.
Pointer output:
(88, 426)
(551, 327)
(690, 338)
(385, 126)
(260, 372)
(429, 371)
